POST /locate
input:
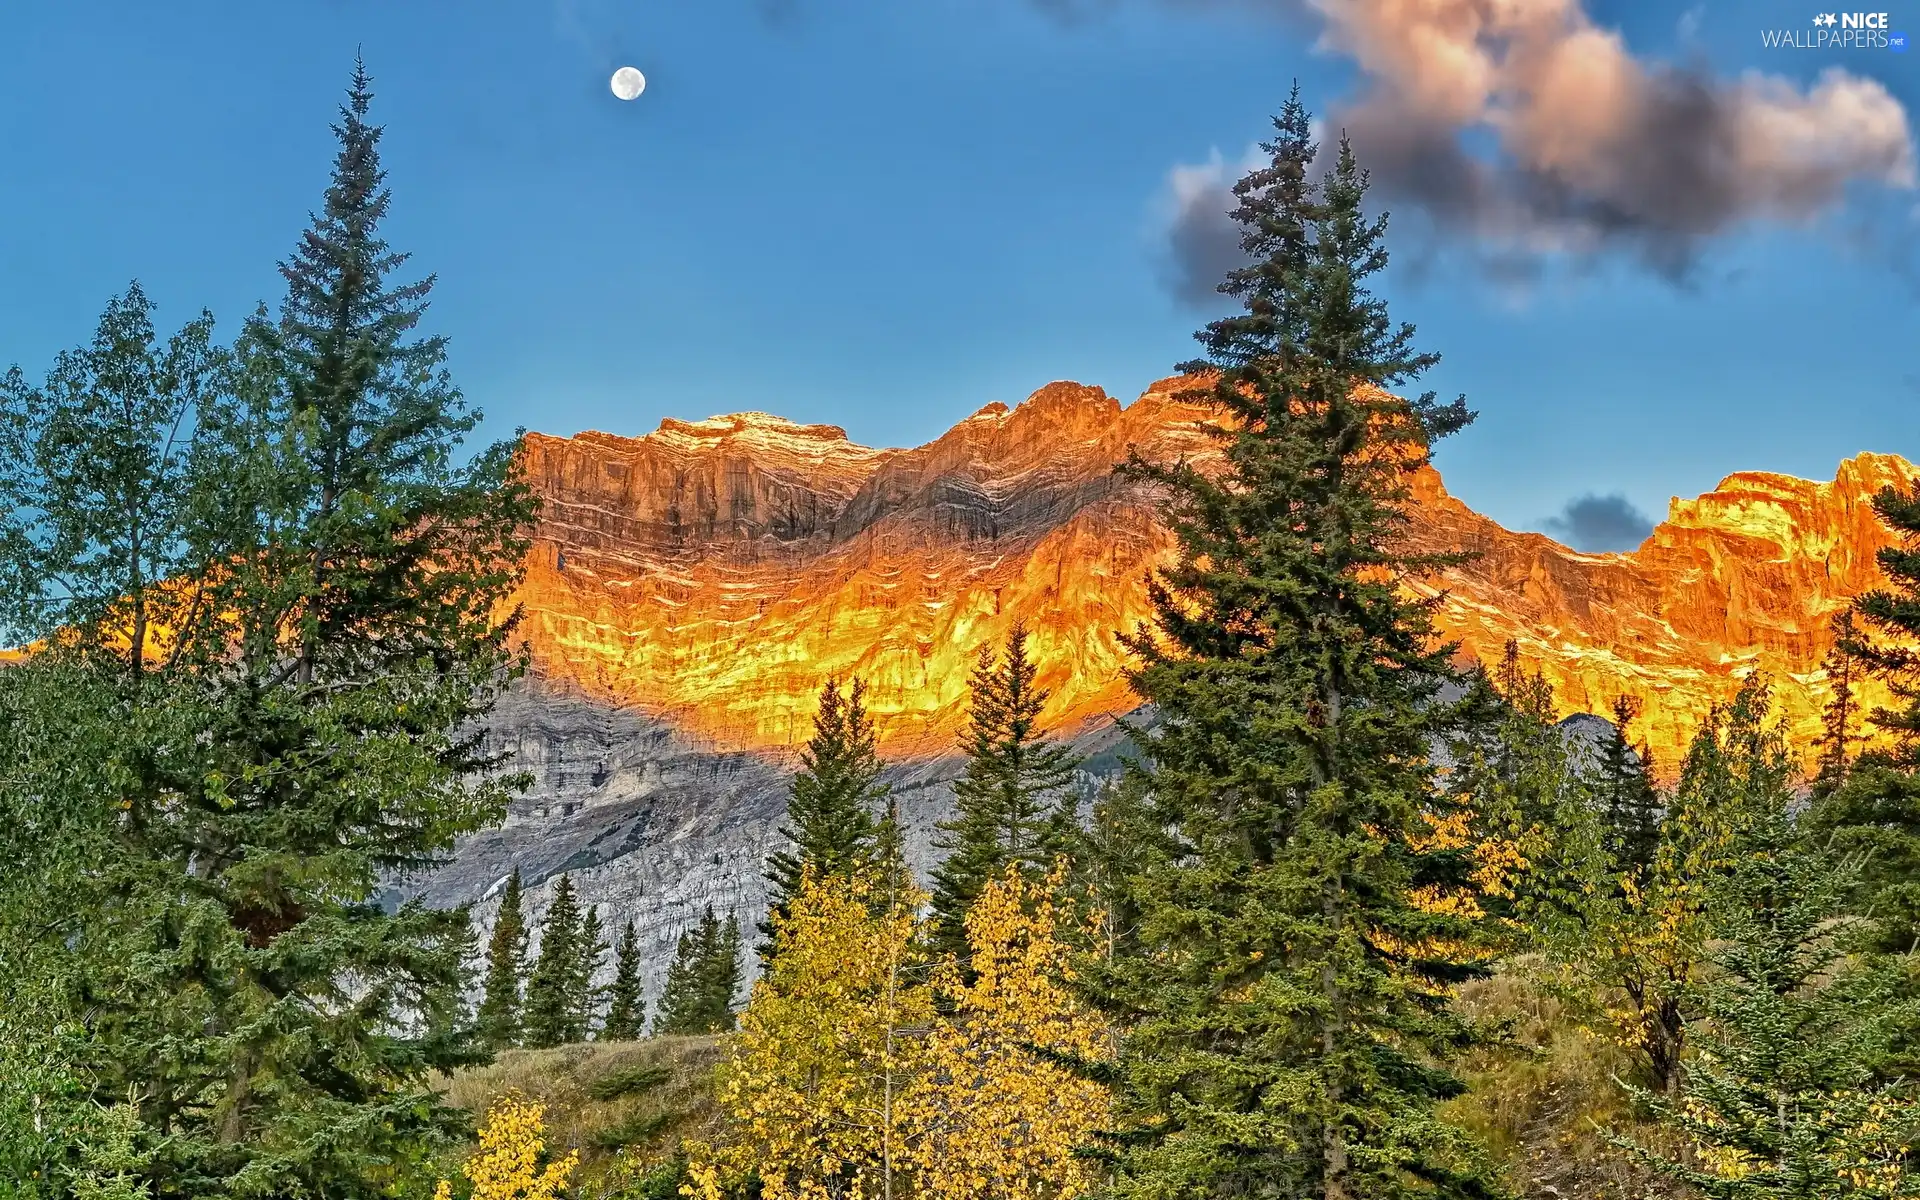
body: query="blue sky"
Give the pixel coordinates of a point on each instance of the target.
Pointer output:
(885, 213)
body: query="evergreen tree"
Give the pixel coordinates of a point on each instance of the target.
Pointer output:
(830, 818)
(1782, 1099)
(1514, 781)
(626, 1008)
(1286, 996)
(593, 951)
(1009, 802)
(299, 710)
(892, 875)
(701, 983)
(1629, 802)
(679, 1009)
(499, 1015)
(1875, 811)
(1121, 850)
(1840, 718)
(1889, 646)
(720, 974)
(1652, 939)
(553, 1012)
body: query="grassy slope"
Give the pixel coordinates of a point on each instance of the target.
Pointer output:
(624, 1105)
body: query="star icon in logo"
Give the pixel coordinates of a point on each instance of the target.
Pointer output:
(1825, 19)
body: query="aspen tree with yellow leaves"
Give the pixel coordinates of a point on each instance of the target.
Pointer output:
(995, 1115)
(829, 1051)
(507, 1164)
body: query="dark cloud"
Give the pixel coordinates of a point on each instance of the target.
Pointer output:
(1525, 132)
(1600, 523)
(1203, 242)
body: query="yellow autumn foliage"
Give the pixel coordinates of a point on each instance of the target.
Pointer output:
(507, 1164)
(994, 1117)
(844, 1081)
(829, 1046)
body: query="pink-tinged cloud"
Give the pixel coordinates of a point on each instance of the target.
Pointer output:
(1586, 148)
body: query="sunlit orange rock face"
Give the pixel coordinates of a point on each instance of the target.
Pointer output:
(1741, 579)
(714, 573)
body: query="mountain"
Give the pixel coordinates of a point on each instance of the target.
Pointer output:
(1741, 579)
(689, 591)
(714, 573)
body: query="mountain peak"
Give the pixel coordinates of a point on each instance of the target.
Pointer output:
(717, 572)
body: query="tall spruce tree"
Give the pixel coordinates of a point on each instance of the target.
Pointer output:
(1629, 802)
(1890, 644)
(1009, 802)
(553, 1012)
(1516, 782)
(340, 580)
(498, 1018)
(1736, 765)
(626, 1007)
(681, 1008)
(1876, 811)
(830, 804)
(593, 952)
(720, 975)
(1285, 996)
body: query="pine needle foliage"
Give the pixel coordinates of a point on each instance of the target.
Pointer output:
(593, 952)
(832, 801)
(1629, 802)
(498, 1019)
(1888, 640)
(1631, 943)
(1840, 717)
(626, 1007)
(1014, 803)
(1518, 792)
(1286, 999)
(1875, 810)
(553, 1014)
(290, 594)
(1782, 1098)
(703, 979)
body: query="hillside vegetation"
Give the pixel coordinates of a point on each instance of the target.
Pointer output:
(1353, 922)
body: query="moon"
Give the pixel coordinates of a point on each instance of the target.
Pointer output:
(628, 83)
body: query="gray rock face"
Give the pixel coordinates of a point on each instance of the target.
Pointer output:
(653, 829)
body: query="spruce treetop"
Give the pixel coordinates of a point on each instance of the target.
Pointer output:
(1286, 942)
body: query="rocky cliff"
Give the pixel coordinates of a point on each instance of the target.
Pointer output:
(713, 574)
(690, 590)
(1744, 578)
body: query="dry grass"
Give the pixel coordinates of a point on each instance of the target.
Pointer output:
(624, 1105)
(1546, 1105)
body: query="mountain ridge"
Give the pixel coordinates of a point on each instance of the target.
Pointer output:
(713, 573)
(688, 591)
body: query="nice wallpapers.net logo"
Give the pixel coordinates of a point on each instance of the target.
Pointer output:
(1838, 31)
